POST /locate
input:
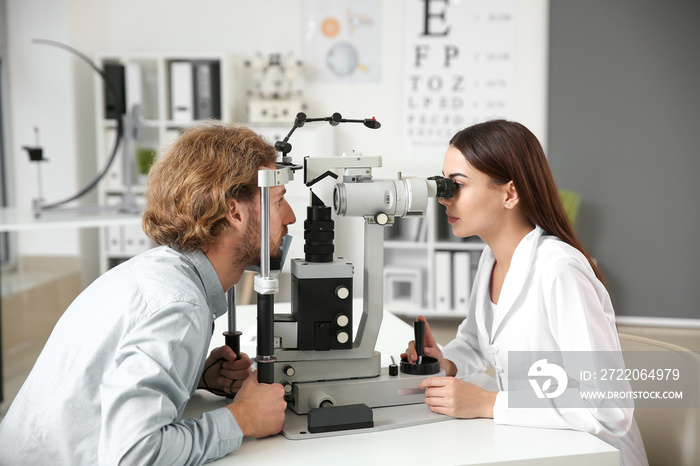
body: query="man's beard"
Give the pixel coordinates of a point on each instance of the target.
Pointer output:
(249, 251)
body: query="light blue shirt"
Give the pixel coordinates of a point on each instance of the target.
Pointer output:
(121, 364)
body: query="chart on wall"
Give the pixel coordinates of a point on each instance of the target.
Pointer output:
(343, 40)
(459, 68)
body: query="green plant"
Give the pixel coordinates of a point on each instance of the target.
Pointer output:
(572, 202)
(144, 160)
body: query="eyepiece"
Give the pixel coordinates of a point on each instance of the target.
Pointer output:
(445, 187)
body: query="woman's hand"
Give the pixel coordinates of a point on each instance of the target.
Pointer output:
(457, 398)
(223, 373)
(430, 349)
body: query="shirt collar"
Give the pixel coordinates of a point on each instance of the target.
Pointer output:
(216, 298)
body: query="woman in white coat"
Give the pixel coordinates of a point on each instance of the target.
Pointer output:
(536, 288)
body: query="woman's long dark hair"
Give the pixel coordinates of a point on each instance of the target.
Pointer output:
(505, 151)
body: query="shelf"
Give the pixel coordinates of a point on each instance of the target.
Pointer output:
(136, 189)
(414, 312)
(459, 246)
(147, 122)
(404, 245)
(24, 220)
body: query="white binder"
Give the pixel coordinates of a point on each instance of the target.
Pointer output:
(181, 91)
(461, 265)
(443, 281)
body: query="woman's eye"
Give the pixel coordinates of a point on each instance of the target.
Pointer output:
(458, 185)
(279, 203)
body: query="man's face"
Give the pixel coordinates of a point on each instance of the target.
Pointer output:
(281, 215)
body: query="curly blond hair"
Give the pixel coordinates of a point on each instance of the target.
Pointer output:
(192, 179)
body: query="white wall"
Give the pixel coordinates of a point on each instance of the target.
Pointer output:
(52, 89)
(40, 94)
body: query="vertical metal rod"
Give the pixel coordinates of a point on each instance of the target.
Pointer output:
(127, 149)
(231, 298)
(38, 165)
(38, 174)
(130, 134)
(232, 336)
(265, 231)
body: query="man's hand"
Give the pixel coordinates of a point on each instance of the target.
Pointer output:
(430, 349)
(259, 408)
(223, 373)
(457, 398)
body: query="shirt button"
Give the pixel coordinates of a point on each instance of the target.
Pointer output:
(499, 369)
(495, 349)
(213, 317)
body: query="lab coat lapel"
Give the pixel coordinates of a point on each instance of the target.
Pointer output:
(483, 296)
(516, 277)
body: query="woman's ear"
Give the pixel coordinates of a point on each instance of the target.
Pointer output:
(511, 195)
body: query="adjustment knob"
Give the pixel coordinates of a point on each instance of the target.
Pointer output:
(288, 370)
(381, 218)
(342, 337)
(342, 320)
(342, 292)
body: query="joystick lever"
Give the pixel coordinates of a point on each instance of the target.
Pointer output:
(425, 365)
(419, 336)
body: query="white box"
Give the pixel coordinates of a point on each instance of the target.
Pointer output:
(274, 110)
(403, 288)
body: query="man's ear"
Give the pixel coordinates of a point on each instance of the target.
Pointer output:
(237, 214)
(512, 197)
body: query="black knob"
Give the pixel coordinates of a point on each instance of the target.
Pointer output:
(393, 369)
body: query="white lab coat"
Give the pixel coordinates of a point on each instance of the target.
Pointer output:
(550, 301)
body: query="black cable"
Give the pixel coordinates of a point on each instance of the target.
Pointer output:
(214, 390)
(120, 123)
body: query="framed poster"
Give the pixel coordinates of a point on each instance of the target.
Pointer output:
(343, 40)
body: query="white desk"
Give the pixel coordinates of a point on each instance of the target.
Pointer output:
(455, 441)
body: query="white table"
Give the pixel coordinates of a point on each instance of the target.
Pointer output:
(454, 441)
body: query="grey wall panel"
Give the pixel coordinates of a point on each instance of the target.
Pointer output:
(624, 131)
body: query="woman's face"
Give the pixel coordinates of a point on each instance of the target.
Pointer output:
(477, 207)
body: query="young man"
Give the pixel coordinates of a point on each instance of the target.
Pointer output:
(116, 374)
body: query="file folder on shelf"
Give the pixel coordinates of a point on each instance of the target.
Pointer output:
(207, 90)
(461, 265)
(181, 91)
(443, 281)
